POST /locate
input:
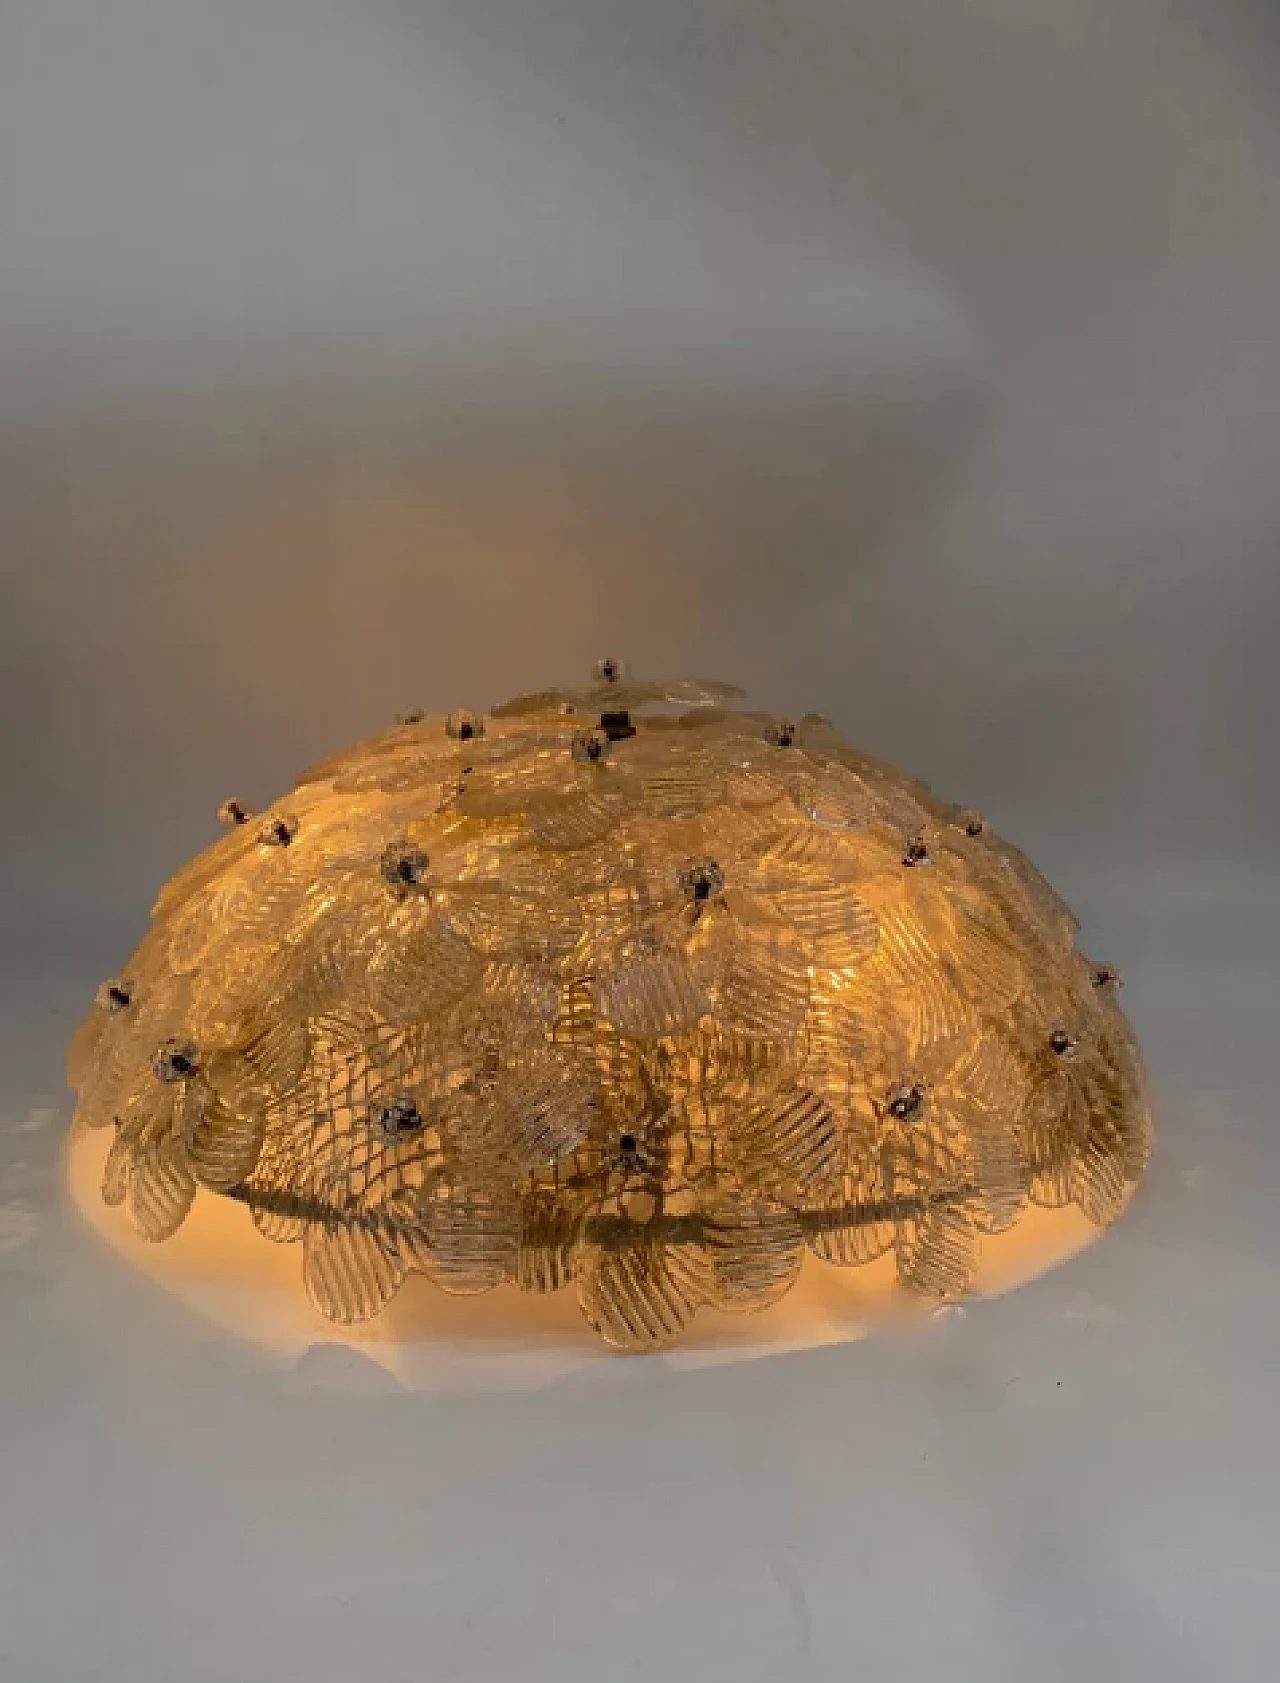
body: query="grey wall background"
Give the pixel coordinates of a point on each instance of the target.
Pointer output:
(913, 361)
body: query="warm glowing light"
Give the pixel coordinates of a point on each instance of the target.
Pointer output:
(644, 1006)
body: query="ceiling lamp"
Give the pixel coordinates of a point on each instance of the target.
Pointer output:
(642, 1005)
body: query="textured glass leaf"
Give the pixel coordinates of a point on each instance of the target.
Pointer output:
(755, 1250)
(1098, 1183)
(681, 788)
(836, 928)
(812, 850)
(572, 820)
(906, 954)
(535, 1113)
(529, 990)
(160, 1189)
(639, 1296)
(986, 960)
(499, 923)
(223, 1145)
(790, 1141)
(942, 1021)
(1051, 1131)
(648, 994)
(350, 1270)
(750, 787)
(757, 981)
(549, 1229)
(854, 1223)
(838, 798)
(420, 967)
(937, 1250)
(474, 1239)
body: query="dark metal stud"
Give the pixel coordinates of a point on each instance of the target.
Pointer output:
(1062, 1043)
(176, 1060)
(279, 831)
(617, 726)
(404, 866)
(703, 880)
(590, 747)
(397, 1117)
(906, 1102)
(114, 995)
(463, 726)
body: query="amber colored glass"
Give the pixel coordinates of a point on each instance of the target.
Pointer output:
(620, 991)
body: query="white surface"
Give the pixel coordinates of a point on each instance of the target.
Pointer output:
(1077, 1480)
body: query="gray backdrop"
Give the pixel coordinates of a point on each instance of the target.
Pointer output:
(913, 360)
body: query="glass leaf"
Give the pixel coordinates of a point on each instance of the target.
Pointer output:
(757, 980)
(755, 1250)
(420, 967)
(349, 1269)
(222, 1145)
(549, 1229)
(640, 1296)
(648, 994)
(838, 930)
(792, 1141)
(502, 924)
(572, 820)
(474, 1237)
(855, 1222)
(161, 1188)
(937, 1250)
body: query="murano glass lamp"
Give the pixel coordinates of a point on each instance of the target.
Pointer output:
(622, 991)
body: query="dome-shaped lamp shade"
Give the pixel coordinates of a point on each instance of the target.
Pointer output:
(639, 1005)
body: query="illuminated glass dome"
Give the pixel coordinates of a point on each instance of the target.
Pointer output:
(642, 1005)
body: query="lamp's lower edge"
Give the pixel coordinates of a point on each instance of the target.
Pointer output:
(219, 1266)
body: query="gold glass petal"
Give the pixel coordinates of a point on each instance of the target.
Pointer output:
(754, 1249)
(637, 1292)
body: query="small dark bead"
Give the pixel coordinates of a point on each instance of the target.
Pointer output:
(404, 866)
(175, 1060)
(782, 735)
(608, 670)
(628, 1144)
(414, 716)
(916, 852)
(464, 727)
(1061, 1043)
(617, 726)
(279, 832)
(114, 996)
(399, 1117)
(703, 880)
(972, 823)
(232, 813)
(1105, 977)
(590, 747)
(906, 1103)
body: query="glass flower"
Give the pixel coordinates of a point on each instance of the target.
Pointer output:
(620, 991)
